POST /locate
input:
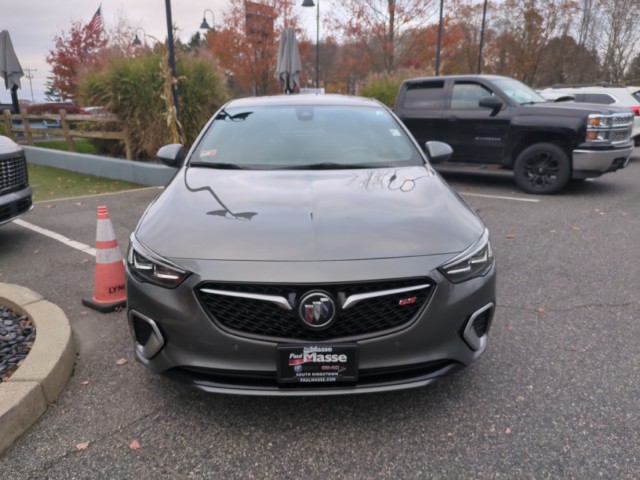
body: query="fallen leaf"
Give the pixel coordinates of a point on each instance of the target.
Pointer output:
(84, 382)
(541, 310)
(82, 446)
(575, 229)
(121, 362)
(509, 236)
(134, 445)
(519, 398)
(507, 431)
(50, 206)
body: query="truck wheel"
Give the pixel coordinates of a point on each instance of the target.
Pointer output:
(542, 168)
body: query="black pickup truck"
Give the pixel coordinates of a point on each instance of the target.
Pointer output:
(490, 119)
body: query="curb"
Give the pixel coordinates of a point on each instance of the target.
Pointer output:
(46, 369)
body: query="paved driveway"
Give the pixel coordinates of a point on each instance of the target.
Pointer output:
(555, 395)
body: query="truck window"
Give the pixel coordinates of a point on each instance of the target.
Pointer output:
(466, 96)
(425, 95)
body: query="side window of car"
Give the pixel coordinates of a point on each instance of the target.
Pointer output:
(466, 95)
(425, 95)
(601, 98)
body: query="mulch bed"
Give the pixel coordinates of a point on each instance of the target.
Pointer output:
(17, 334)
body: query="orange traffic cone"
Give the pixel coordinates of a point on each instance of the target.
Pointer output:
(109, 294)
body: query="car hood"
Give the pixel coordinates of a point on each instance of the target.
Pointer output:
(572, 108)
(307, 215)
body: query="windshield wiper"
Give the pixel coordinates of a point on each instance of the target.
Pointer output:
(238, 117)
(333, 166)
(222, 166)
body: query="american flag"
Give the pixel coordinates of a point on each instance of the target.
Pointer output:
(95, 25)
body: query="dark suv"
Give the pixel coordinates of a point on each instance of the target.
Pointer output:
(15, 192)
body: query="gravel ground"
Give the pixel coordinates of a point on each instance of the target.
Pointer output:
(17, 334)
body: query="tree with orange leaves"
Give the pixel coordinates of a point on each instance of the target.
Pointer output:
(246, 47)
(75, 52)
(386, 32)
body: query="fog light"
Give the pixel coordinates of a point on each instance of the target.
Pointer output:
(475, 332)
(149, 339)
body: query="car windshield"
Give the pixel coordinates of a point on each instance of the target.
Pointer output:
(518, 91)
(304, 136)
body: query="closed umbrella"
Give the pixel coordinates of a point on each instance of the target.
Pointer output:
(289, 65)
(10, 68)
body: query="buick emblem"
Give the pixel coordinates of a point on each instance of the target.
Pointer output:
(317, 310)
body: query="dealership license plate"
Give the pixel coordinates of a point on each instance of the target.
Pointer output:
(317, 364)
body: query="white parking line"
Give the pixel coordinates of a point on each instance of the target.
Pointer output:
(499, 197)
(81, 197)
(56, 236)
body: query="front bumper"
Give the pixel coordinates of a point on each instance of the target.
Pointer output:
(14, 204)
(593, 163)
(184, 343)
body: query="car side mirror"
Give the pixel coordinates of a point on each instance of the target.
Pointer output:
(172, 155)
(438, 152)
(493, 103)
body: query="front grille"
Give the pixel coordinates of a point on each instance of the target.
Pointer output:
(259, 318)
(618, 136)
(13, 174)
(622, 119)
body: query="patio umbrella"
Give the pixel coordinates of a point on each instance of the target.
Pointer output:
(10, 68)
(289, 65)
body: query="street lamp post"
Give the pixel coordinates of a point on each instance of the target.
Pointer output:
(136, 41)
(484, 16)
(309, 3)
(439, 47)
(205, 25)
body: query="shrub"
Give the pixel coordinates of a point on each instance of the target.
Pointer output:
(383, 88)
(132, 89)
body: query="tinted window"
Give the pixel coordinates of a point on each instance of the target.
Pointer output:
(425, 95)
(298, 136)
(518, 91)
(602, 98)
(466, 95)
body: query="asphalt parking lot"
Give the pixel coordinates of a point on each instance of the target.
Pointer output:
(555, 395)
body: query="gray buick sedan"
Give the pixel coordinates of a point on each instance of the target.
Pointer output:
(306, 246)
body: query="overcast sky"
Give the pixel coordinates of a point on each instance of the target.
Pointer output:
(33, 24)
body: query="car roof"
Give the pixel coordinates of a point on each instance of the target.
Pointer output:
(621, 94)
(303, 99)
(460, 77)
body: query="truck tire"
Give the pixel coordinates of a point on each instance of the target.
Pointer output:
(542, 168)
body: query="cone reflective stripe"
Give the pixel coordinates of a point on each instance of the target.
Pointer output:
(109, 293)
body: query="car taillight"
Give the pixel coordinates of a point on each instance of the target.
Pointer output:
(636, 110)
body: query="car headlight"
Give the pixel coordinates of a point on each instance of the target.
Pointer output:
(473, 262)
(149, 267)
